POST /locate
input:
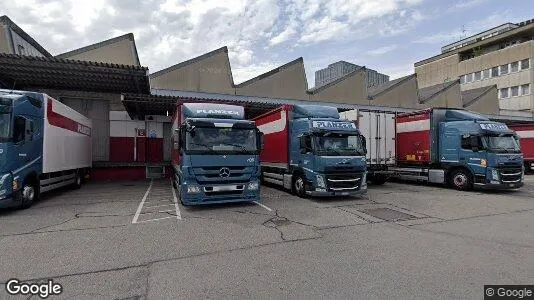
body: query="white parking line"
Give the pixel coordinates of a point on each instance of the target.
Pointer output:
(178, 215)
(158, 205)
(140, 207)
(264, 206)
(151, 220)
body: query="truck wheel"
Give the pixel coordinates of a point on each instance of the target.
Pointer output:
(29, 194)
(77, 181)
(379, 180)
(299, 186)
(461, 180)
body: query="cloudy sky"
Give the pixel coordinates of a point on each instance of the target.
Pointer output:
(386, 35)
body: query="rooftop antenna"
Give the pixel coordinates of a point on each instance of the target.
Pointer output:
(13, 88)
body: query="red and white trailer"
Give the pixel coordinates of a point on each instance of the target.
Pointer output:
(526, 135)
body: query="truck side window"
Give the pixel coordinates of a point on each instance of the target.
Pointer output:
(18, 129)
(466, 143)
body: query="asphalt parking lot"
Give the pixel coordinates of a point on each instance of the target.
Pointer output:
(133, 240)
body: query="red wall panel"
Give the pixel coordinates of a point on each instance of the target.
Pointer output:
(121, 149)
(276, 144)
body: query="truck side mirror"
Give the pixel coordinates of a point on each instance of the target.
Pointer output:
(475, 143)
(19, 129)
(261, 140)
(304, 144)
(363, 140)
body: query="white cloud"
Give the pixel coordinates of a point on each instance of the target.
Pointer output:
(171, 31)
(382, 50)
(464, 4)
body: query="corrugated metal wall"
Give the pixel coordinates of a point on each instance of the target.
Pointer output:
(98, 112)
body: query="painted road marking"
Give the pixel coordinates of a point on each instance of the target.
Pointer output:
(178, 215)
(264, 206)
(140, 207)
(152, 220)
(158, 205)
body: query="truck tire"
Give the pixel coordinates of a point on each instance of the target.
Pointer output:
(461, 180)
(78, 179)
(378, 180)
(299, 186)
(29, 194)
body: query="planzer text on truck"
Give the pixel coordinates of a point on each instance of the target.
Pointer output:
(457, 147)
(215, 154)
(43, 145)
(311, 151)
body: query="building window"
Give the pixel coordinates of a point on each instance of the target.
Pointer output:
(468, 77)
(515, 66)
(525, 89)
(495, 72)
(515, 91)
(486, 74)
(504, 69)
(504, 93)
(478, 76)
(525, 64)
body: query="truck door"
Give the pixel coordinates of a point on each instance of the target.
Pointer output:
(472, 154)
(24, 151)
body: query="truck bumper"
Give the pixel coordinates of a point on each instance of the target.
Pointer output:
(336, 193)
(8, 202)
(499, 186)
(203, 199)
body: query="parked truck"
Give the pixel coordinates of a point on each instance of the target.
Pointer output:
(457, 147)
(311, 151)
(215, 154)
(378, 128)
(44, 145)
(526, 135)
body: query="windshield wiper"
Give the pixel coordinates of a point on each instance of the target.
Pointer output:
(203, 145)
(332, 149)
(240, 147)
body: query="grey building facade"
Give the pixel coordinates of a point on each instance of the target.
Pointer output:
(341, 68)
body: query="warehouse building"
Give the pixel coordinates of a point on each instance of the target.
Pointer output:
(131, 108)
(341, 68)
(500, 56)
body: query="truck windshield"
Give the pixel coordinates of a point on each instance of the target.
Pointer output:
(339, 145)
(5, 121)
(505, 144)
(221, 140)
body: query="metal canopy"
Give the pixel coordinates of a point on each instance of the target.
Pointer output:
(140, 105)
(30, 72)
(161, 101)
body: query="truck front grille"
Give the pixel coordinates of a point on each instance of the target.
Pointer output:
(510, 175)
(346, 181)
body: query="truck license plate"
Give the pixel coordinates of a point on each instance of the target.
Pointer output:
(223, 188)
(512, 185)
(344, 193)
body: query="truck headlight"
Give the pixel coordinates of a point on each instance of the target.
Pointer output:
(15, 184)
(483, 162)
(494, 174)
(253, 186)
(193, 189)
(320, 181)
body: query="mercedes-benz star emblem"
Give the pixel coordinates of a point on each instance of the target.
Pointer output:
(224, 172)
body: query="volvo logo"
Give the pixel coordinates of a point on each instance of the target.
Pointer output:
(224, 172)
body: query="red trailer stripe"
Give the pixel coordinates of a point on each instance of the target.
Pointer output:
(64, 122)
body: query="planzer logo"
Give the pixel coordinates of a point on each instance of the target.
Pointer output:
(494, 126)
(218, 112)
(333, 125)
(84, 129)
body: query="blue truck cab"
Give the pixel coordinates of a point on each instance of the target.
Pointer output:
(458, 147)
(43, 145)
(489, 150)
(215, 154)
(311, 151)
